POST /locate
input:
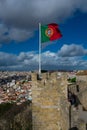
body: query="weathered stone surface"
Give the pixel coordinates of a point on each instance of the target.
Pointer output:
(49, 104)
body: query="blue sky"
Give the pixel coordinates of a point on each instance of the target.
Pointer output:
(19, 34)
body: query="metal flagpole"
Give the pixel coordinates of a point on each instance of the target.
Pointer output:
(39, 49)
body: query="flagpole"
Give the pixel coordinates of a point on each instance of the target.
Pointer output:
(39, 48)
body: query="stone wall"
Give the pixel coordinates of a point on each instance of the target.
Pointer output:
(81, 78)
(49, 103)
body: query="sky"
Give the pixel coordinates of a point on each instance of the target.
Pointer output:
(19, 34)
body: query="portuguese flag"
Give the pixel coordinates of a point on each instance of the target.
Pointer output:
(50, 32)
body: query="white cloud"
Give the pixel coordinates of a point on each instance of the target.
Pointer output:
(72, 50)
(50, 61)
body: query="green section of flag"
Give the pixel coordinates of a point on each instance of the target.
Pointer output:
(44, 37)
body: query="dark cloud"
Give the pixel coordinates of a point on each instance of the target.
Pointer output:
(8, 59)
(19, 35)
(28, 13)
(22, 16)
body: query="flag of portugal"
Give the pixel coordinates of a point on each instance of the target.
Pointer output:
(50, 32)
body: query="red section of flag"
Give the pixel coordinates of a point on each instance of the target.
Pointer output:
(56, 32)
